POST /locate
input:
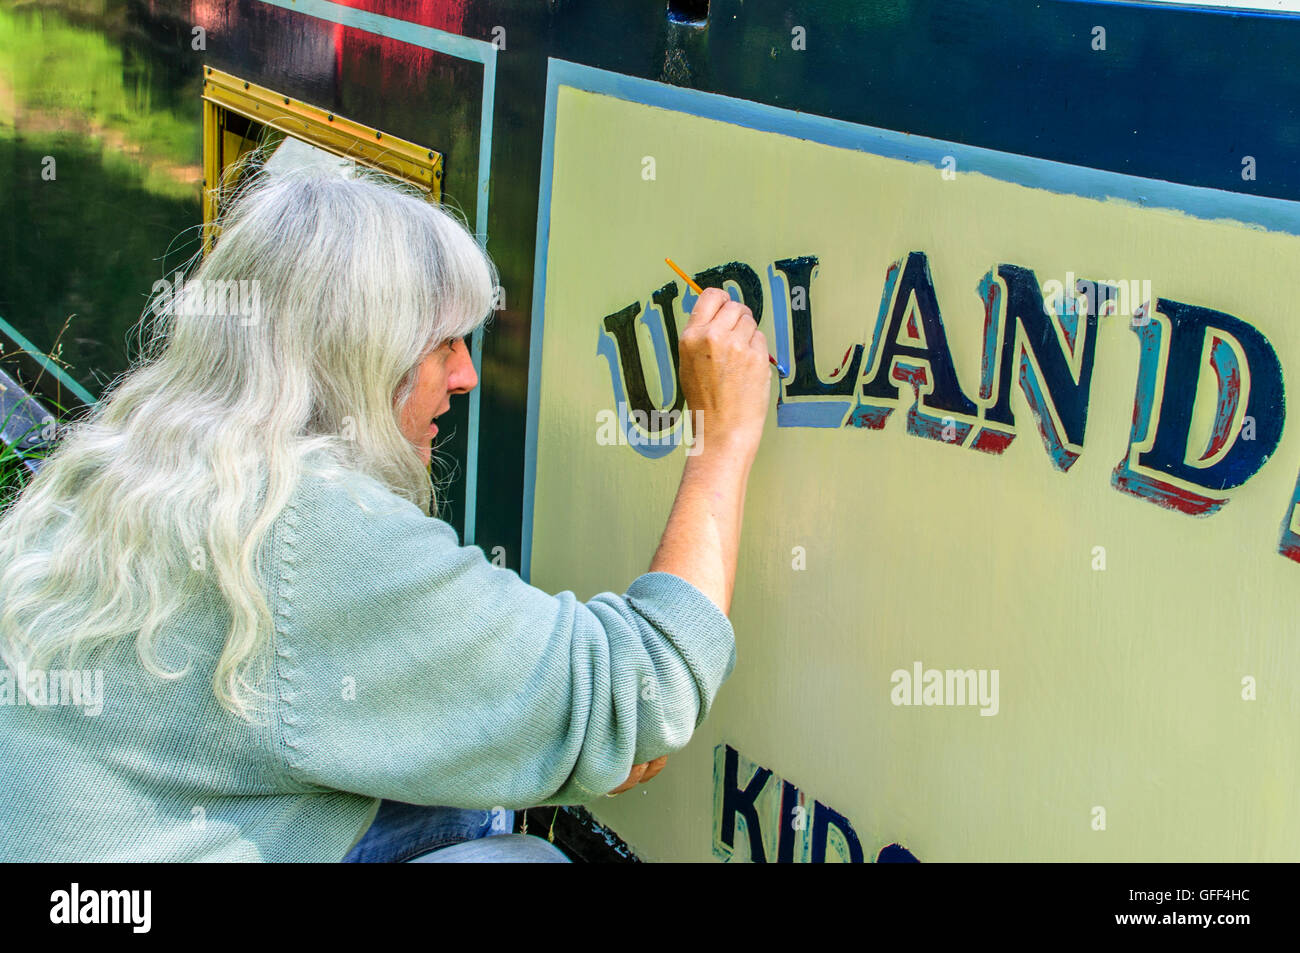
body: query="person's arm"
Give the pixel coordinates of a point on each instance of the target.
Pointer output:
(701, 542)
(408, 667)
(724, 373)
(726, 378)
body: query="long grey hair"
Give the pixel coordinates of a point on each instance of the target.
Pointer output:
(350, 282)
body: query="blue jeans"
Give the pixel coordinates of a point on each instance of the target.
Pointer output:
(411, 833)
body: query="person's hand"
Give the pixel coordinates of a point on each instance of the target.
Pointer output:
(725, 373)
(640, 774)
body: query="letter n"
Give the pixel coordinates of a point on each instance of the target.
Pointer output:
(1050, 355)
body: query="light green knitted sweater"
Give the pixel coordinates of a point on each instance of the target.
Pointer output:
(405, 666)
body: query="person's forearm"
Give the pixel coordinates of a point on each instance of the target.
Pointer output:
(701, 542)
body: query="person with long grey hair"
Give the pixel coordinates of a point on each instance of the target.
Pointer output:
(295, 661)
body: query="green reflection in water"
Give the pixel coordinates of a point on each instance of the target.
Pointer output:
(100, 137)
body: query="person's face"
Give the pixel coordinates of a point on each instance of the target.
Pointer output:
(448, 370)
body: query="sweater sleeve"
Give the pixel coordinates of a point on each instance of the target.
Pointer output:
(409, 667)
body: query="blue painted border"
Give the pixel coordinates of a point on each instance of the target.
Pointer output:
(1270, 213)
(463, 47)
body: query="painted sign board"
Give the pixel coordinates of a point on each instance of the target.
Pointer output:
(1022, 542)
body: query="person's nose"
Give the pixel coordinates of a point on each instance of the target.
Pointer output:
(464, 378)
